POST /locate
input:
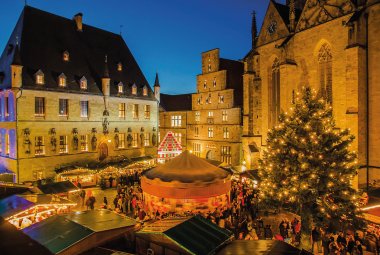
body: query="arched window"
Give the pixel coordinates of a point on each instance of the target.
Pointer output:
(40, 77)
(120, 88)
(325, 72)
(83, 83)
(62, 80)
(274, 93)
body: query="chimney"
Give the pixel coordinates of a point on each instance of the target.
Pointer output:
(78, 21)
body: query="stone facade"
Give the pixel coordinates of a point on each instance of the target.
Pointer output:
(329, 53)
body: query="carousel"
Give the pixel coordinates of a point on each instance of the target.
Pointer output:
(186, 184)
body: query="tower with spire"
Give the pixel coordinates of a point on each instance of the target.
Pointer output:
(157, 88)
(254, 30)
(16, 68)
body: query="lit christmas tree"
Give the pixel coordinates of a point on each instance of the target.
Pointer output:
(308, 166)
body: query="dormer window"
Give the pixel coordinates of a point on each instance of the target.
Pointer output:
(40, 77)
(120, 88)
(62, 80)
(134, 89)
(119, 66)
(145, 91)
(66, 56)
(83, 83)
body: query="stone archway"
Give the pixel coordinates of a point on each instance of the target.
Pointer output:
(103, 151)
(210, 155)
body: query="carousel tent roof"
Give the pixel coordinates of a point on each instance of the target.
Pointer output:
(195, 235)
(187, 168)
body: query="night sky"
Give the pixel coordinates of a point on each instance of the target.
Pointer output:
(167, 36)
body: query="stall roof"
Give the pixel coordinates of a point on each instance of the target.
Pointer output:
(260, 247)
(58, 187)
(196, 235)
(101, 220)
(8, 189)
(13, 241)
(57, 233)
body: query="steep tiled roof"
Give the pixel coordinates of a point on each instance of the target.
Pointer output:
(180, 102)
(44, 37)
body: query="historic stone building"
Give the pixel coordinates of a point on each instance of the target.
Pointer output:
(332, 46)
(70, 93)
(209, 119)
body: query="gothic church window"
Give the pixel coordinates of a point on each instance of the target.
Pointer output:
(274, 93)
(325, 72)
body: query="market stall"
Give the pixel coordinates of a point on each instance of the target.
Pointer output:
(25, 210)
(186, 183)
(81, 177)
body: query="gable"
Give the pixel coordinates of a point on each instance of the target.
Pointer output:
(317, 12)
(274, 26)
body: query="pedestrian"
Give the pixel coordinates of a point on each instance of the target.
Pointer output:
(82, 194)
(105, 203)
(92, 202)
(315, 239)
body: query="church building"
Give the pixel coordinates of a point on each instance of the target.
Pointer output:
(332, 46)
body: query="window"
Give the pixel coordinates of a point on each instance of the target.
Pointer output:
(63, 107)
(196, 131)
(40, 77)
(66, 56)
(119, 66)
(134, 89)
(135, 111)
(120, 88)
(122, 110)
(197, 116)
(209, 65)
(62, 80)
(121, 140)
(197, 149)
(226, 133)
(147, 112)
(224, 115)
(205, 84)
(135, 139)
(210, 132)
(210, 114)
(214, 82)
(84, 109)
(63, 144)
(199, 100)
(208, 99)
(7, 144)
(221, 99)
(84, 143)
(177, 121)
(147, 139)
(39, 106)
(325, 72)
(145, 91)
(6, 106)
(83, 83)
(178, 136)
(39, 146)
(225, 152)
(274, 94)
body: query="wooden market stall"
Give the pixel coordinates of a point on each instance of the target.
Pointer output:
(81, 177)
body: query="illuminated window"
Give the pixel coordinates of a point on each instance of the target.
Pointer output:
(62, 80)
(178, 136)
(135, 111)
(199, 100)
(205, 84)
(221, 99)
(40, 77)
(39, 106)
(209, 65)
(197, 116)
(224, 115)
(325, 72)
(119, 66)
(210, 114)
(210, 132)
(208, 99)
(226, 133)
(176, 121)
(84, 109)
(6, 106)
(145, 91)
(121, 140)
(66, 56)
(135, 139)
(214, 82)
(134, 89)
(147, 139)
(83, 83)
(84, 143)
(120, 87)
(147, 112)
(122, 110)
(39, 146)
(63, 147)
(197, 149)
(225, 152)
(63, 107)
(196, 131)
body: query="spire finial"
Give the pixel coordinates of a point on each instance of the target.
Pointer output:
(254, 30)
(156, 81)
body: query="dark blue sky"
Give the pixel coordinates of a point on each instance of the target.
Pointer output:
(167, 36)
